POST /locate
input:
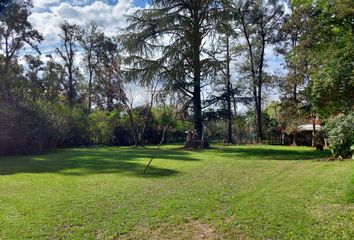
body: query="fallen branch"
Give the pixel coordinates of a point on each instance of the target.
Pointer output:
(158, 148)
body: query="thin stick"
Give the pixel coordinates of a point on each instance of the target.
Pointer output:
(158, 148)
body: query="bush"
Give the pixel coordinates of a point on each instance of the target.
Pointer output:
(61, 126)
(18, 129)
(30, 127)
(340, 132)
(102, 127)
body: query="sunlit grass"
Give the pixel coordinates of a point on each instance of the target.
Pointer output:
(243, 192)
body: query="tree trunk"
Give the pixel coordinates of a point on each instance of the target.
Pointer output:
(89, 92)
(71, 93)
(228, 95)
(259, 122)
(198, 122)
(132, 125)
(259, 93)
(313, 129)
(294, 140)
(71, 90)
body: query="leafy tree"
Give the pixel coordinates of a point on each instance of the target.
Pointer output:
(328, 43)
(35, 66)
(15, 32)
(291, 116)
(340, 132)
(178, 61)
(100, 127)
(52, 81)
(296, 57)
(224, 93)
(91, 40)
(259, 23)
(108, 73)
(69, 35)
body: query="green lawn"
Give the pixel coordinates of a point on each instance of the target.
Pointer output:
(243, 192)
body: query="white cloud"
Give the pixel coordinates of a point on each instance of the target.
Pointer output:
(48, 14)
(42, 5)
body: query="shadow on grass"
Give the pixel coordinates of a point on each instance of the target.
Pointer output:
(84, 161)
(274, 154)
(132, 161)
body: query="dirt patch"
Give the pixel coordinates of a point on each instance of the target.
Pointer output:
(201, 230)
(193, 229)
(325, 213)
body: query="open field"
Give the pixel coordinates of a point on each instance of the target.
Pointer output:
(238, 192)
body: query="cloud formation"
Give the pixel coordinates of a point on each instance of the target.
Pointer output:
(48, 14)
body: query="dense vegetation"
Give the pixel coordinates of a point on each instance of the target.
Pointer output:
(212, 77)
(237, 192)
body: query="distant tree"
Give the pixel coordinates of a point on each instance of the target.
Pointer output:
(35, 85)
(259, 23)
(180, 61)
(52, 79)
(296, 59)
(108, 74)
(221, 51)
(91, 39)
(226, 91)
(152, 89)
(291, 116)
(69, 37)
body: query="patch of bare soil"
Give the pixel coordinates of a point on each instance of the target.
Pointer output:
(191, 230)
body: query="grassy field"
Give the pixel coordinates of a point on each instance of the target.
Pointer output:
(243, 192)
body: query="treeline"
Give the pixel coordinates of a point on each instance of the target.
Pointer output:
(39, 126)
(178, 65)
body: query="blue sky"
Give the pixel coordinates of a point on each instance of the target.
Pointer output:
(140, 3)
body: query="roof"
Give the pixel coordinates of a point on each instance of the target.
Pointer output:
(308, 127)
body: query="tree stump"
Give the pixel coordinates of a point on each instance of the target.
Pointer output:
(192, 141)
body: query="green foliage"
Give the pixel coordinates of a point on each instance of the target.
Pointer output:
(165, 117)
(340, 132)
(53, 123)
(327, 43)
(78, 125)
(101, 126)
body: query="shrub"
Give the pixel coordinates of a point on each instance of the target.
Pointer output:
(78, 128)
(340, 132)
(102, 127)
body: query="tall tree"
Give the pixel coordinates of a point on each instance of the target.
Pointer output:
(259, 22)
(52, 79)
(108, 74)
(328, 44)
(15, 32)
(69, 36)
(168, 42)
(35, 85)
(91, 40)
(296, 63)
(222, 92)
(292, 85)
